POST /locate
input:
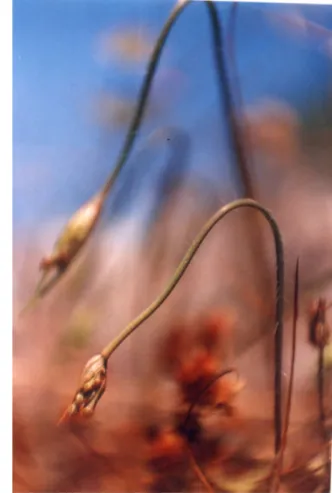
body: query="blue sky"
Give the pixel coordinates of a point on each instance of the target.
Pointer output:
(61, 155)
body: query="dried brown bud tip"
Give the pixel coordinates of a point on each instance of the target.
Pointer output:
(319, 332)
(92, 387)
(74, 235)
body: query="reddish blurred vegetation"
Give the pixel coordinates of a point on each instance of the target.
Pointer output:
(140, 438)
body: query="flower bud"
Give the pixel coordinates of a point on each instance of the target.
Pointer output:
(319, 332)
(91, 389)
(74, 235)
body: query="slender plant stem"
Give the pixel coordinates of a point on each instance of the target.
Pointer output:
(278, 331)
(42, 288)
(321, 392)
(198, 471)
(143, 95)
(320, 387)
(322, 415)
(245, 169)
(243, 157)
(293, 359)
(280, 456)
(224, 90)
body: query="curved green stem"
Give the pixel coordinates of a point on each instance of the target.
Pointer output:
(150, 73)
(132, 326)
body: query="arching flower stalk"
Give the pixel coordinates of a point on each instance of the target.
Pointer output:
(278, 329)
(73, 237)
(223, 84)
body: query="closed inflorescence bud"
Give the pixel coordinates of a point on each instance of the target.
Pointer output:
(74, 235)
(319, 331)
(91, 389)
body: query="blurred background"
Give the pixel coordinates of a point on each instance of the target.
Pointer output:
(77, 70)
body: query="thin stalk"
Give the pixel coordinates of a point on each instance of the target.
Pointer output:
(278, 331)
(320, 387)
(198, 471)
(322, 415)
(150, 73)
(243, 157)
(280, 456)
(42, 289)
(329, 466)
(326, 435)
(244, 164)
